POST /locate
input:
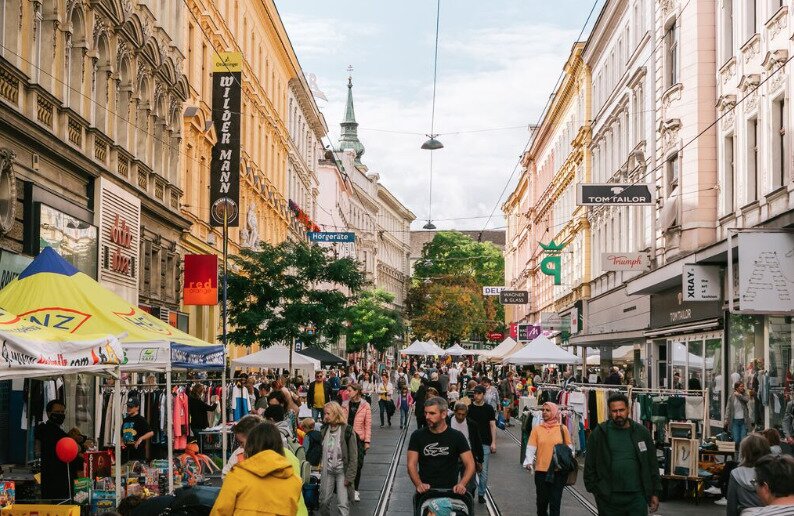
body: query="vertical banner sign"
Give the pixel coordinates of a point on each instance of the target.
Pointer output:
(201, 280)
(225, 168)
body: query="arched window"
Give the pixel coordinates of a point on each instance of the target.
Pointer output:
(123, 98)
(75, 61)
(101, 98)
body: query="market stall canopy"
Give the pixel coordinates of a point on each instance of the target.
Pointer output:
(502, 350)
(276, 357)
(325, 357)
(53, 293)
(30, 350)
(542, 351)
(456, 351)
(417, 347)
(594, 359)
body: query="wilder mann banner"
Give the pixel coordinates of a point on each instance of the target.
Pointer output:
(225, 168)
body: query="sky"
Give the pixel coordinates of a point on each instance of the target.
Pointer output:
(498, 62)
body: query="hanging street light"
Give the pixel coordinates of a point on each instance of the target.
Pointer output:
(429, 226)
(432, 144)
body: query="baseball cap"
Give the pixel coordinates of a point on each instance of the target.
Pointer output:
(479, 389)
(133, 402)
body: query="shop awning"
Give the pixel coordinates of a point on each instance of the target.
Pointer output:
(325, 357)
(53, 293)
(599, 339)
(29, 350)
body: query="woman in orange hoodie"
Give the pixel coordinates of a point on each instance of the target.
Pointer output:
(264, 484)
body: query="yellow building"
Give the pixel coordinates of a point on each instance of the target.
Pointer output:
(270, 75)
(557, 160)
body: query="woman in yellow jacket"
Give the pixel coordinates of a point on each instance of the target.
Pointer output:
(264, 484)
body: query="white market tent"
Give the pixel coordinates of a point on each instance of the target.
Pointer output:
(456, 351)
(506, 348)
(434, 348)
(542, 351)
(594, 360)
(418, 347)
(276, 357)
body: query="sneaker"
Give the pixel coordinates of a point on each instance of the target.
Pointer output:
(721, 501)
(713, 490)
(356, 497)
(481, 499)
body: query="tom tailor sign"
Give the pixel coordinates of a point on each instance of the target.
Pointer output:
(614, 194)
(225, 167)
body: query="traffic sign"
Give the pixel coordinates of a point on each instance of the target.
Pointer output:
(614, 194)
(514, 297)
(331, 236)
(492, 291)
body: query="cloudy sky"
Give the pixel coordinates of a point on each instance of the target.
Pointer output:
(497, 65)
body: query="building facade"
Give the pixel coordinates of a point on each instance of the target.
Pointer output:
(543, 218)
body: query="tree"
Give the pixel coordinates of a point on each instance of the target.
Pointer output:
(373, 321)
(448, 309)
(282, 292)
(453, 259)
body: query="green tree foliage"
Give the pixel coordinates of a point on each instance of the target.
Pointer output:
(281, 290)
(373, 320)
(455, 263)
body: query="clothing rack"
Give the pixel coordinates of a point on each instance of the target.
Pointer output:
(663, 391)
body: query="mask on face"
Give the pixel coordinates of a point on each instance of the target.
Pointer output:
(58, 419)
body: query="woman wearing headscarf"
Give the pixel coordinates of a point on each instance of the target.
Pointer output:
(540, 450)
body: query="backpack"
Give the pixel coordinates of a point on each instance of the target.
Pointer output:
(314, 455)
(300, 452)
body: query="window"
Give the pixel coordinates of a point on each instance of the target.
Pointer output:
(671, 55)
(752, 160)
(750, 19)
(727, 30)
(672, 172)
(728, 172)
(778, 140)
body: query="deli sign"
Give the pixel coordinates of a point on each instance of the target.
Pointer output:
(625, 261)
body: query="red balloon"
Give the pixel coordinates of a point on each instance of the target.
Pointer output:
(66, 449)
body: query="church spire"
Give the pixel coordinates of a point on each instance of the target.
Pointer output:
(349, 138)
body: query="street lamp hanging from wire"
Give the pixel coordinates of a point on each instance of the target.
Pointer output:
(432, 143)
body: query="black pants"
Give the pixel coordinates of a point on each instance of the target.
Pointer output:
(361, 453)
(549, 494)
(384, 411)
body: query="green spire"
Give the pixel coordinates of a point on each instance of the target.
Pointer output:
(349, 138)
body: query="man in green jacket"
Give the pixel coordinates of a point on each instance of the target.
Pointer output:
(620, 468)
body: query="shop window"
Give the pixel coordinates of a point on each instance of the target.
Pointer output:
(779, 369)
(713, 379)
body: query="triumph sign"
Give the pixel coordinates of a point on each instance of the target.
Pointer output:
(614, 194)
(625, 262)
(225, 166)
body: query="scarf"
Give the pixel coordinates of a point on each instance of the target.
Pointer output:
(554, 421)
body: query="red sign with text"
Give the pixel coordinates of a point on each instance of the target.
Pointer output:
(201, 279)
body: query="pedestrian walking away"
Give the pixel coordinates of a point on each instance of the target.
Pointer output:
(340, 461)
(461, 422)
(404, 403)
(540, 451)
(385, 399)
(435, 451)
(358, 414)
(621, 469)
(484, 416)
(742, 484)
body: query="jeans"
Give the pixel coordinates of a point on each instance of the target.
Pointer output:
(548, 494)
(382, 404)
(317, 414)
(329, 481)
(482, 476)
(361, 453)
(739, 431)
(403, 416)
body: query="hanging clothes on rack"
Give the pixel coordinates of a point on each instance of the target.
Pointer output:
(181, 420)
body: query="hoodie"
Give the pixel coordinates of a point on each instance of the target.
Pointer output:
(741, 491)
(262, 485)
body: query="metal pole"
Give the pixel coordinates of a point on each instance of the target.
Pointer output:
(224, 321)
(169, 410)
(117, 436)
(291, 347)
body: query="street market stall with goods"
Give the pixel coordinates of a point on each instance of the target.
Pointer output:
(53, 293)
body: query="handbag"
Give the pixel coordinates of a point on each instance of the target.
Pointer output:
(568, 466)
(500, 421)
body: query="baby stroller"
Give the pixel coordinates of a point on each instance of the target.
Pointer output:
(462, 505)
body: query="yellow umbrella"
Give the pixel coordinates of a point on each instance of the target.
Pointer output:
(52, 293)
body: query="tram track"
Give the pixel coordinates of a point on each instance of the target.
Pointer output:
(581, 498)
(385, 493)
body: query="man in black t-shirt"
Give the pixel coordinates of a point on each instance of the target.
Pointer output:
(484, 416)
(434, 453)
(134, 431)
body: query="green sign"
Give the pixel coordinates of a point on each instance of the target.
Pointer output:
(551, 265)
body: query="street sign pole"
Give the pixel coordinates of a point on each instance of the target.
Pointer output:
(223, 324)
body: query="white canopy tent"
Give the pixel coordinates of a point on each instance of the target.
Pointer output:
(277, 357)
(418, 347)
(542, 351)
(456, 351)
(504, 349)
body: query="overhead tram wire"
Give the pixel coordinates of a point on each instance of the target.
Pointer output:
(536, 125)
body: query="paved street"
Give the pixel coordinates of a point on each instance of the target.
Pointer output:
(510, 485)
